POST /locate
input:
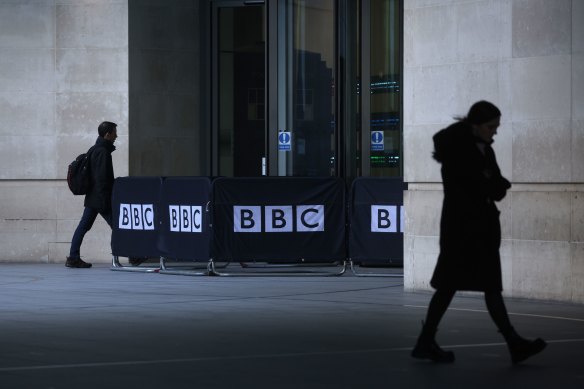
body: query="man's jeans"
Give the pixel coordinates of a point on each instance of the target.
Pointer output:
(87, 220)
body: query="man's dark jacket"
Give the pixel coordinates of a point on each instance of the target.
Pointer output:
(99, 196)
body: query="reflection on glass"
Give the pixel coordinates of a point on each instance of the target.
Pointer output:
(241, 81)
(356, 87)
(385, 86)
(311, 99)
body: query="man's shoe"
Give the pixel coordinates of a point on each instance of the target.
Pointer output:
(136, 261)
(77, 263)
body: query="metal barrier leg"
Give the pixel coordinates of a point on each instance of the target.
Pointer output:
(273, 272)
(394, 275)
(182, 270)
(117, 266)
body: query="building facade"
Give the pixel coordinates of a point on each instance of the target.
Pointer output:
(298, 88)
(526, 56)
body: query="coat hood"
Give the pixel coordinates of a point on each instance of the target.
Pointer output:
(449, 141)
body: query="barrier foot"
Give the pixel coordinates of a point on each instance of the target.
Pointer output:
(117, 266)
(393, 275)
(182, 270)
(272, 270)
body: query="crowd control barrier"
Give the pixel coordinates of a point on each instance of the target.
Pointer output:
(279, 220)
(135, 220)
(292, 222)
(376, 217)
(185, 223)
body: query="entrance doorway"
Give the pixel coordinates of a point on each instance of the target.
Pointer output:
(239, 79)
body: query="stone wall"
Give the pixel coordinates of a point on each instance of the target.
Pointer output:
(526, 56)
(64, 70)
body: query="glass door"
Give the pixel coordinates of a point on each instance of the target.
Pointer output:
(239, 86)
(381, 98)
(307, 63)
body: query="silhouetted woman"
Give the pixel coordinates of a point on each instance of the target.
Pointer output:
(470, 233)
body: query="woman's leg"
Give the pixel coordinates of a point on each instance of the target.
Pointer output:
(426, 346)
(438, 306)
(498, 311)
(519, 347)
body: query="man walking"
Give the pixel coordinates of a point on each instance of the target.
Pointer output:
(98, 198)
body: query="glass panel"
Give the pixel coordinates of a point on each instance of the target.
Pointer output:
(349, 104)
(355, 86)
(241, 83)
(385, 88)
(311, 84)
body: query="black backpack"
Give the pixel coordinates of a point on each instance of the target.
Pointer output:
(79, 174)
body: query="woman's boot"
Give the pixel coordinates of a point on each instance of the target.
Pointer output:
(427, 348)
(521, 348)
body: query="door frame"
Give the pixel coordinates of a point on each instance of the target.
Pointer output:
(214, 49)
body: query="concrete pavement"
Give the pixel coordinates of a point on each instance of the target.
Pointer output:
(94, 328)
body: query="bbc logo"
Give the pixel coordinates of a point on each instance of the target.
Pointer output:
(384, 218)
(185, 218)
(136, 217)
(280, 218)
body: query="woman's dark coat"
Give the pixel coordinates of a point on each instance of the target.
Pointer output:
(99, 196)
(470, 233)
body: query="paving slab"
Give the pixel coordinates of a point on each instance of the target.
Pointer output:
(95, 328)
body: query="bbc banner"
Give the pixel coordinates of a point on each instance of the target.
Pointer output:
(376, 219)
(135, 219)
(184, 218)
(279, 219)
